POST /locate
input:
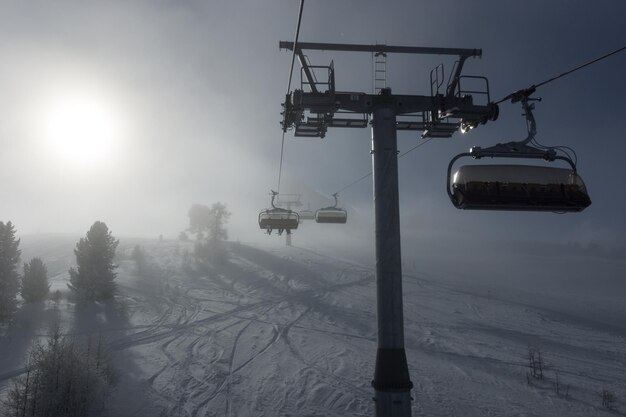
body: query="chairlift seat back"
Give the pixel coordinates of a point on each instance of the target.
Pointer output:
(307, 215)
(331, 215)
(519, 187)
(277, 219)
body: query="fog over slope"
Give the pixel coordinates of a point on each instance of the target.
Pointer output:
(292, 331)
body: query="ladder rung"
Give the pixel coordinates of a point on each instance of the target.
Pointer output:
(379, 73)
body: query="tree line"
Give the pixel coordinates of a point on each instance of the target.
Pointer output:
(66, 377)
(91, 279)
(32, 285)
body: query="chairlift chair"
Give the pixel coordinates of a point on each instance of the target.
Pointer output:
(332, 214)
(518, 187)
(307, 215)
(278, 218)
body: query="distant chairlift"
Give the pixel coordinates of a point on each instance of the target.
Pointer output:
(307, 214)
(518, 187)
(332, 214)
(278, 218)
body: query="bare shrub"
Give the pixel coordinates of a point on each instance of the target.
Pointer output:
(608, 399)
(535, 364)
(560, 388)
(63, 379)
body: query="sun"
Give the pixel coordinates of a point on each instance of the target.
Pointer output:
(81, 129)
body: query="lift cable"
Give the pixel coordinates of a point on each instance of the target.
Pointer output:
(280, 166)
(358, 180)
(415, 147)
(295, 44)
(293, 59)
(514, 96)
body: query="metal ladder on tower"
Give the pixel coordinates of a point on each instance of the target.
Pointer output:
(379, 63)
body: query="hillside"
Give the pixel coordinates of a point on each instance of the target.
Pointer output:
(292, 332)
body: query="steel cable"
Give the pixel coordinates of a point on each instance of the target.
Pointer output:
(293, 59)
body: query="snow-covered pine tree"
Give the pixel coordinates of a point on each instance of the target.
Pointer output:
(35, 285)
(9, 278)
(94, 275)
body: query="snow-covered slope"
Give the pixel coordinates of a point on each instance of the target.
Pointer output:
(291, 332)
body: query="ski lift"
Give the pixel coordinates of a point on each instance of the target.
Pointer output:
(307, 215)
(332, 214)
(518, 187)
(278, 218)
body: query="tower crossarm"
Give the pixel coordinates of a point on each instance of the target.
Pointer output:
(461, 52)
(324, 108)
(316, 106)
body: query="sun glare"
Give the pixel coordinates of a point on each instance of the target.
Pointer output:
(81, 130)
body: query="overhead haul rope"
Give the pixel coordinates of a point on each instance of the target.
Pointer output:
(532, 88)
(293, 59)
(358, 180)
(525, 93)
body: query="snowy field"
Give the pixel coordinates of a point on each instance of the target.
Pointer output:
(292, 332)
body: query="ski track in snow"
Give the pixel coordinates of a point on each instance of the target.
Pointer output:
(293, 332)
(288, 293)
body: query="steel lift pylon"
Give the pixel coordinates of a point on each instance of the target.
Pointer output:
(317, 105)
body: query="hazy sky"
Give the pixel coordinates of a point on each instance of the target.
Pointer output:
(186, 95)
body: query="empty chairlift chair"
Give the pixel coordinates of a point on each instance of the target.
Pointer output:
(518, 187)
(332, 214)
(307, 215)
(277, 218)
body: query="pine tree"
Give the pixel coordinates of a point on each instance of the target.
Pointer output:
(218, 218)
(212, 221)
(199, 219)
(141, 260)
(35, 285)
(9, 278)
(95, 273)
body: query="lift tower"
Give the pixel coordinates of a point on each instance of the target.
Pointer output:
(317, 105)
